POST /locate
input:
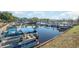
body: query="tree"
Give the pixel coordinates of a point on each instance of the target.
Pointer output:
(35, 19)
(6, 16)
(44, 20)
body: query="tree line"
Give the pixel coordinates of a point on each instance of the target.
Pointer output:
(6, 16)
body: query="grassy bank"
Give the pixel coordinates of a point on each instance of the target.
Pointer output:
(69, 39)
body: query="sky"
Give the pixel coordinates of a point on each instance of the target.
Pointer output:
(47, 14)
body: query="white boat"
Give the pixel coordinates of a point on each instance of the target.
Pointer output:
(26, 40)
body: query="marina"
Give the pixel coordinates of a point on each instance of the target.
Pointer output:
(16, 32)
(29, 35)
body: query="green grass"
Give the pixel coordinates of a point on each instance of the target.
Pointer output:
(75, 29)
(69, 39)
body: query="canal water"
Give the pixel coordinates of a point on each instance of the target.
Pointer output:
(45, 33)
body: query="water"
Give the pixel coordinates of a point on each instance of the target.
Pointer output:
(45, 33)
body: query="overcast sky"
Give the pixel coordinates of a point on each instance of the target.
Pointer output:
(47, 14)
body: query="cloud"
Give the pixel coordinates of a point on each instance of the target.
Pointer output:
(48, 14)
(75, 13)
(28, 14)
(69, 15)
(17, 12)
(39, 13)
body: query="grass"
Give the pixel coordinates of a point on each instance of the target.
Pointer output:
(69, 39)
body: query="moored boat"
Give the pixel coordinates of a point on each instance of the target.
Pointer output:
(15, 39)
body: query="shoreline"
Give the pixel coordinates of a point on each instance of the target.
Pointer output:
(53, 39)
(50, 39)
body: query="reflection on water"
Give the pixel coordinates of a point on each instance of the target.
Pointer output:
(45, 33)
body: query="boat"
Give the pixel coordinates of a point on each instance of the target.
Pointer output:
(26, 40)
(14, 38)
(12, 31)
